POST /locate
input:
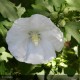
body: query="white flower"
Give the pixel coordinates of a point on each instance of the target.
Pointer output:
(34, 39)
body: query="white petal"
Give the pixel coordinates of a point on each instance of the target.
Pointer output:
(36, 22)
(40, 23)
(35, 54)
(55, 36)
(35, 59)
(22, 24)
(17, 39)
(49, 51)
(19, 50)
(42, 53)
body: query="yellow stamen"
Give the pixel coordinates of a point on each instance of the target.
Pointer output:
(35, 38)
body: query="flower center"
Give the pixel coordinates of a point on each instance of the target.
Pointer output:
(35, 37)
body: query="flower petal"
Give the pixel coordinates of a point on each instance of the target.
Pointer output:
(42, 53)
(41, 23)
(54, 36)
(34, 54)
(49, 51)
(17, 38)
(36, 22)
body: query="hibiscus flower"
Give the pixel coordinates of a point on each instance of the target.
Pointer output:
(34, 39)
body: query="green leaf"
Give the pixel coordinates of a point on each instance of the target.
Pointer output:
(62, 64)
(48, 8)
(72, 29)
(20, 10)
(37, 69)
(25, 68)
(8, 10)
(49, 4)
(2, 49)
(73, 5)
(7, 24)
(2, 68)
(4, 55)
(70, 71)
(43, 5)
(3, 30)
(56, 3)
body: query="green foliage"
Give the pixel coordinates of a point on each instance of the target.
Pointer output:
(2, 49)
(7, 9)
(2, 68)
(56, 4)
(3, 30)
(4, 58)
(73, 5)
(10, 11)
(24, 68)
(6, 24)
(37, 69)
(20, 10)
(65, 14)
(72, 29)
(69, 71)
(50, 5)
(4, 55)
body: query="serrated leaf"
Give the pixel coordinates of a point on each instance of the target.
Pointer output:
(7, 9)
(49, 4)
(63, 64)
(3, 30)
(48, 8)
(72, 29)
(73, 5)
(20, 10)
(7, 24)
(43, 5)
(4, 55)
(57, 3)
(2, 49)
